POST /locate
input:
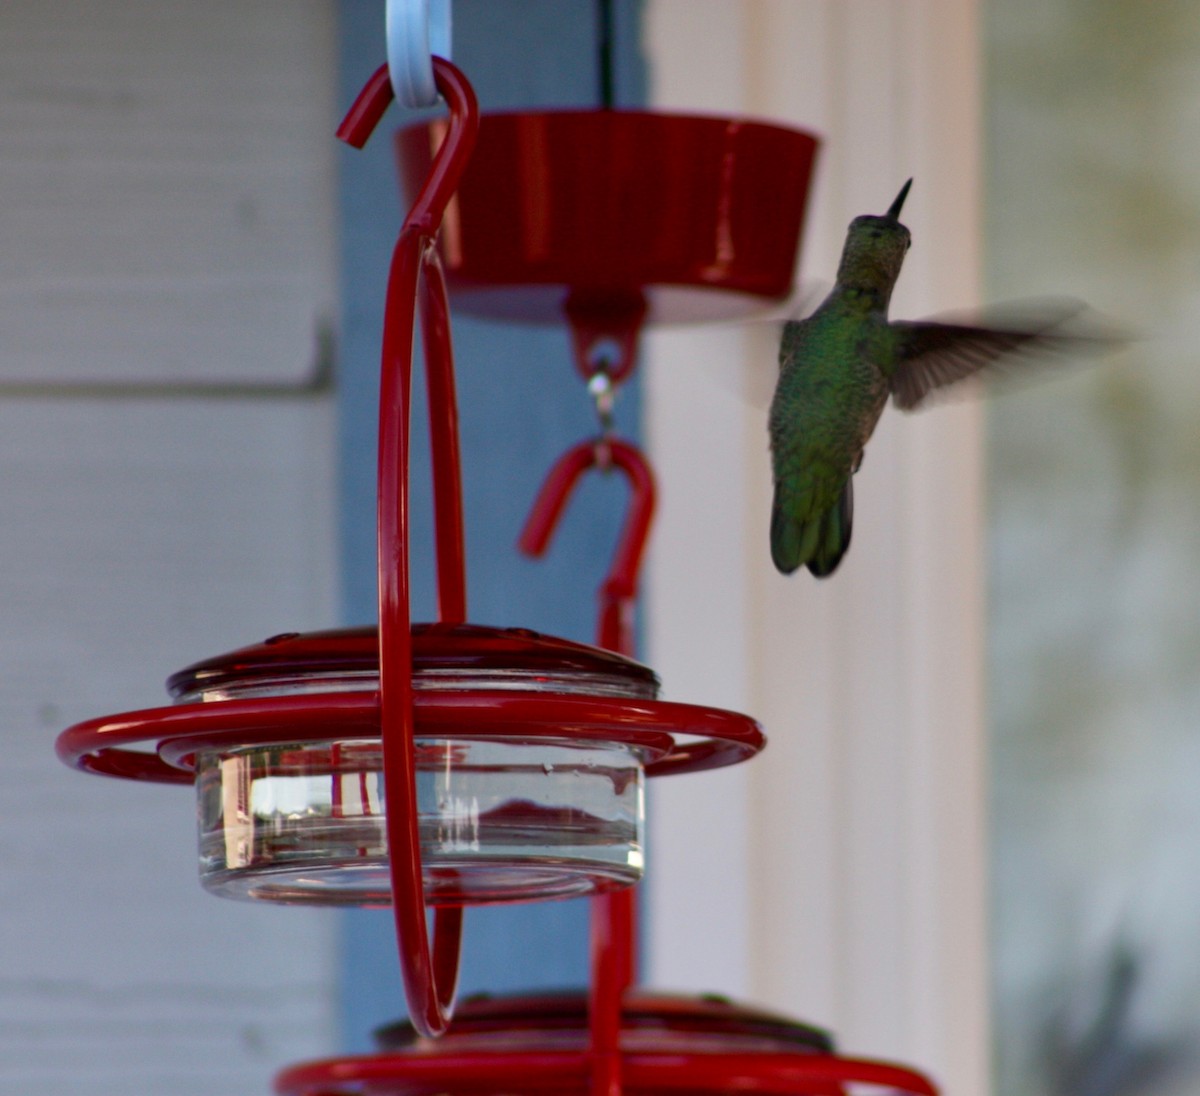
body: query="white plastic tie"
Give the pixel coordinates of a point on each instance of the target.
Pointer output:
(417, 30)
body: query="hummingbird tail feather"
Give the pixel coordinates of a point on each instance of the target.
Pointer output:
(819, 543)
(786, 534)
(836, 526)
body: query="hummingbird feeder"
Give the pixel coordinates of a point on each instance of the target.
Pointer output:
(445, 764)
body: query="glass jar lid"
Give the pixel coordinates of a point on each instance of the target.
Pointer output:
(445, 657)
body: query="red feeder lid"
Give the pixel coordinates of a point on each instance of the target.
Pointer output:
(694, 218)
(650, 1022)
(439, 651)
(668, 1046)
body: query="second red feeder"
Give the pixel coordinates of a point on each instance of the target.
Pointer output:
(609, 219)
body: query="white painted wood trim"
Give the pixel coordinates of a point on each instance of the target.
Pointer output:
(840, 877)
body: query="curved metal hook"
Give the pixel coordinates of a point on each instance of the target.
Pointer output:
(454, 152)
(620, 583)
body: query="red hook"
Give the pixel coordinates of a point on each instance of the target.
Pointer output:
(367, 109)
(451, 160)
(619, 588)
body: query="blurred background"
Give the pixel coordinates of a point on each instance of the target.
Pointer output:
(1093, 189)
(969, 843)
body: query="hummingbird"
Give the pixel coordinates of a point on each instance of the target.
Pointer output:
(837, 368)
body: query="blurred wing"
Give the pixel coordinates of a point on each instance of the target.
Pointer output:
(752, 382)
(933, 355)
(745, 378)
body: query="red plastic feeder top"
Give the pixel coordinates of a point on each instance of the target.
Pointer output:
(609, 213)
(667, 1045)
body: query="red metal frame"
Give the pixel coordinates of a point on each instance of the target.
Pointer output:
(179, 730)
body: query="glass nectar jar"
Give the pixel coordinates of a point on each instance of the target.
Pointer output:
(501, 817)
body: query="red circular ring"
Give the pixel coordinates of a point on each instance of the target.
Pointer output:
(99, 745)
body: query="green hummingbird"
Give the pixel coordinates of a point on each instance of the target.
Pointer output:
(837, 368)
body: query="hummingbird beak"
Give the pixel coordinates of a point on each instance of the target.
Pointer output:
(894, 212)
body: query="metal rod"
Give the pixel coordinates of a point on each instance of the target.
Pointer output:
(604, 52)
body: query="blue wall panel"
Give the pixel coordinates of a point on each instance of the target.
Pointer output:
(521, 404)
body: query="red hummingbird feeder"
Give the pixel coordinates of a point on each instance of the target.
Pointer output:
(439, 765)
(611, 219)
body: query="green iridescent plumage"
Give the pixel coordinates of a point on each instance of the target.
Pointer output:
(837, 369)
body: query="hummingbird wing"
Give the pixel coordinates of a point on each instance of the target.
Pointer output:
(932, 354)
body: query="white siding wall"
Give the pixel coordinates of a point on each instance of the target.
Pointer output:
(166, 207)
(840, 877)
